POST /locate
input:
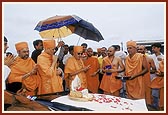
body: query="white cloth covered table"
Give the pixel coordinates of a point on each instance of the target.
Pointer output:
(103, 102)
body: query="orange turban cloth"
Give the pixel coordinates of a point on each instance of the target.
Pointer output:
(48, 44)
(131, 43)
(78, 48)
(21, 45)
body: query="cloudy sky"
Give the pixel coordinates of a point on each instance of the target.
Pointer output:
(117, 22)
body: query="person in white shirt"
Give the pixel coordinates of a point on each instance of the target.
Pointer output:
(70, 54)
(65, 58)
(7, 61)
(157, 56)
(119, 53)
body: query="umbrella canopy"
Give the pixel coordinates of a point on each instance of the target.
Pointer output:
(62, 26)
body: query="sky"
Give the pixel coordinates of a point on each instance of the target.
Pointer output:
(117, 22)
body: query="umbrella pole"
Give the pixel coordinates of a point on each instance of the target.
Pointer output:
(59, 39)
(78, 40)
(80, 36)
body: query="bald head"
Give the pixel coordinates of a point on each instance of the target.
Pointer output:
(141, 49)
(113, 48)
(89, 52)
(111, 51)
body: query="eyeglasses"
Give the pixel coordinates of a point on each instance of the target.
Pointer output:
(80, 53)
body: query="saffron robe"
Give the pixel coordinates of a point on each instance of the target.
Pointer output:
(72, 66)
(109, 83)
(147, 82)
(135, 87)
(50, 82)
(92, 81)
(21, 67)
